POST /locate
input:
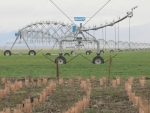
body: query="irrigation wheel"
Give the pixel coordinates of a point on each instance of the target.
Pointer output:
(111, 50)
(120, 50)
(98, 60)
(61, 60)
(72, 52)
(7, 53)
(88, 52)
(101, 51)
(127, 50)
(66, 54)
(32, 53)
(48, 54)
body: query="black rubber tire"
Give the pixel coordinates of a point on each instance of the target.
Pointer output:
(32, 53)
(111, 50)
(101, 51)
(98, 60)
(62, 60)
(48, 54)
(66, 54)
(88, 53)
(71, 52)
(7, 53)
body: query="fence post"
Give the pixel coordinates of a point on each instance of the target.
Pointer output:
(57, 68)
(110, 61)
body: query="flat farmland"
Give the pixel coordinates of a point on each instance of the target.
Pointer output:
(82, 86)
(125, 64)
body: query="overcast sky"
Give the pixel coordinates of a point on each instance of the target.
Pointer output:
(15, 14)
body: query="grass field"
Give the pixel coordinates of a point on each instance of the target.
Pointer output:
(125, 64)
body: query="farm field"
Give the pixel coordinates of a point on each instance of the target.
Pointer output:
(82, 88)
(125, 64)
(75, 95)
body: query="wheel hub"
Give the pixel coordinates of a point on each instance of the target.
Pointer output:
(60, 61)
(7, 54)
(98, 61)
(31, 53)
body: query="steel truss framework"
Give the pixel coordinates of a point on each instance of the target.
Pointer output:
(59, 33)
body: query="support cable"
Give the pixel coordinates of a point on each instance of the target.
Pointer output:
(39, 50)
(97, 12)
(129, 33)
(85, 58)
(73, 58)
(62, 11)
(111, 57)
(118, 36)
(48, 58)
(105, 38)
(76, 57)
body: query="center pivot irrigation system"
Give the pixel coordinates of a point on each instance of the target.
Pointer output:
(60, 33)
